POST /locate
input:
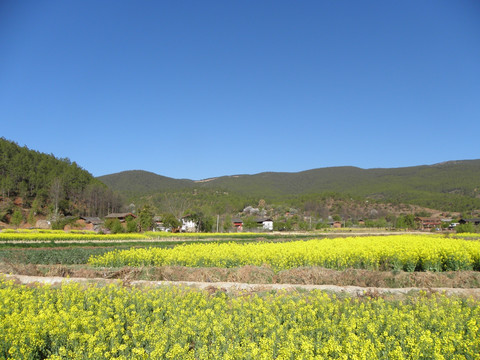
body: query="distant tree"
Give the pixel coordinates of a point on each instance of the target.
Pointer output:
(406, 222)
(131, 224)
(31, 217)
(56, 189)
(17, 218)
(321, 225)
(250, 223)
(465, 228)
(207, 224)
(170, 221)
(115, 226)
(145, 218)
(227, 223)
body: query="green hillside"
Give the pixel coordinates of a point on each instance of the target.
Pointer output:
(46, 184)
(139, 182)
(449, 186)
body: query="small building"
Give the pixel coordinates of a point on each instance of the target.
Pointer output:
(238, 223)
(120, 216)
(428, 223)
(265, 223)
(89, 223)
(188, 225)
(337, 224)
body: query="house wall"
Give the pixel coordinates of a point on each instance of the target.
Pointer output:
(188, 226)
(268, 225)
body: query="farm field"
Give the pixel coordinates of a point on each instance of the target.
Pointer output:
(129, 320)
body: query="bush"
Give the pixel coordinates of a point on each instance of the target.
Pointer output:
(465, 228)
(131, 225)
(115, 226)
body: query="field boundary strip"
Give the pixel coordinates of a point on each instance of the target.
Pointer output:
(248, 287)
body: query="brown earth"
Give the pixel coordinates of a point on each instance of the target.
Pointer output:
(257, 275)
(243, 289)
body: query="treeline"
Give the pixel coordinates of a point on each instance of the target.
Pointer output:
(47, 184)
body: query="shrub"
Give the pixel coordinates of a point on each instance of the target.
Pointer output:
(465, 228)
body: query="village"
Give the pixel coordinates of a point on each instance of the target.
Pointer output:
(187, 224)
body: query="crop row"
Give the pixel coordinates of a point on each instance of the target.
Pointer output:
(399, 252)
(115, 322)
(59, 235)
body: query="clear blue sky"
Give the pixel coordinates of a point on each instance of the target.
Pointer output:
(198, 89)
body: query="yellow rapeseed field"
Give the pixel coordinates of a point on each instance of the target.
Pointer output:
(396, 252)
(115, 322)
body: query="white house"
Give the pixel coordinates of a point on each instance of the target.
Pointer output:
(266, 224)
(188, 225)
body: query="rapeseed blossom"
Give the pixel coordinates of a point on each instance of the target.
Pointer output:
(397, 252)
(115, 322)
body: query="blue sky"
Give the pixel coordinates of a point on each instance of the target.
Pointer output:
(198, 89)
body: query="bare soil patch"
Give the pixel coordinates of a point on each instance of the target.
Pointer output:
(256, 275)
(245, 289)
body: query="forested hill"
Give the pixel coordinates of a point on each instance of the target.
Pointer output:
(139, 182)
(450, 186)
(44, 181)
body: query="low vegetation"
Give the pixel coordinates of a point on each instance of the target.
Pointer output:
(399, 252)
(116, 322)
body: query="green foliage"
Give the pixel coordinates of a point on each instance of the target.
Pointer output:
(17, 218)
(206, 224)
(115, 226)
(31, 217)
(227, 223)
(49, 180)
(303, 225)
(250, 223)
(61, 223)
(283, 224)
(465, 228)
(132, 225)
(170, 221)
(321, 225)
(450, 187)
(406, 222)
(145, 218)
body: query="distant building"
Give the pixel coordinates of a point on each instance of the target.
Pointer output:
(428, 223)
(238, 223)
(188, 225)
(120, 216)
(265, 223)
(89, 223)
(337, 224)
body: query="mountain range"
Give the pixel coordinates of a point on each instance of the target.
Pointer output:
(450, 186)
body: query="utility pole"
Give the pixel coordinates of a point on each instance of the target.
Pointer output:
(218, 218)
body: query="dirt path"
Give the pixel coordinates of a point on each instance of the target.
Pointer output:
(235, 287)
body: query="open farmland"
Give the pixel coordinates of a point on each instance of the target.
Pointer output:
(146, 321)
(408, 253)
(115, 322)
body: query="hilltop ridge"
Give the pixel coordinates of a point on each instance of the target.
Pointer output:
(452, 185)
